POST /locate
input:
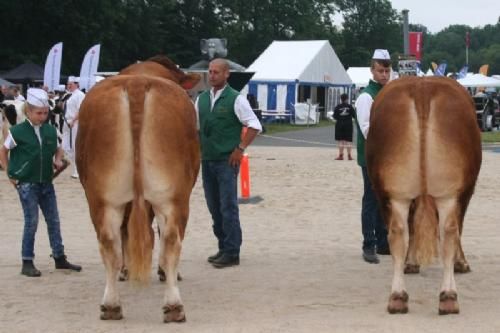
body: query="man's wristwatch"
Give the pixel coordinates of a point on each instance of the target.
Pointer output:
(240, 148)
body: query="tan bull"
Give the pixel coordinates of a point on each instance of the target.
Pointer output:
(137, 147)
(424, 150)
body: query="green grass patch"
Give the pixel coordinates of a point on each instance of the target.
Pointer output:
(286, 127)
(487, 137)
(490, 137)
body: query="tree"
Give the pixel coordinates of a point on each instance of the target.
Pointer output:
(368, 25)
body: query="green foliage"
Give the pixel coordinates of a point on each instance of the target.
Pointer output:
(131, 30)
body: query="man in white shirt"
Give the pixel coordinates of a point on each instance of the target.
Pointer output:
(372, 225)
(222, 113)
(70, 127)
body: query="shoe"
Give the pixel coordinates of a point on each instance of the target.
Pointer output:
(29, 269)
(350, 158)
(384, 250)
(226, 260)
(215, 256)
(62, 263)
(74, 176)
(370, 256)
(340, 157)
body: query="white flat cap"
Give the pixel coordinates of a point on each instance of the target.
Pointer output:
(381, 54)
(37, 97)
(73, 79)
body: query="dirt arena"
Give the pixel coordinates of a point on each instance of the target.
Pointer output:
(301, 268)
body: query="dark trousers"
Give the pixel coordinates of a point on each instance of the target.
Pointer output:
(221, 194)
(372, 224)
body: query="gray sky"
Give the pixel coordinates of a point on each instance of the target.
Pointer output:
(438, 14)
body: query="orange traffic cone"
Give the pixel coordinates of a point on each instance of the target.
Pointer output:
(245, 177)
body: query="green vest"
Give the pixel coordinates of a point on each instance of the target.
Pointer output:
(220, 128)
(29, 161)
(372, 89)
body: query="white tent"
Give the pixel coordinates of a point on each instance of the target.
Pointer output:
(479, 80)
(288, 72)
(360, 76)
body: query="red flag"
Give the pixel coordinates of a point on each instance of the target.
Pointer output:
(467, 39)
(416, 42)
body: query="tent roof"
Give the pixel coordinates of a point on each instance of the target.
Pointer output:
(360, 76)
(479, 80)
(203, 65)
(6, 83)
(25, 72)
(306, 61)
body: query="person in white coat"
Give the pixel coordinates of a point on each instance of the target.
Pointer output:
(70, 127)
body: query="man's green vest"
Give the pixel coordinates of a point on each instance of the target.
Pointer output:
(220, 129)
(372, 89)
(29, 160)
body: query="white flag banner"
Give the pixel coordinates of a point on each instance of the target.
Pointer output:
(52, 72)
(89, 67)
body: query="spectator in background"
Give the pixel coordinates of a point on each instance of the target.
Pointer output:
(70, 127)
(344, 114)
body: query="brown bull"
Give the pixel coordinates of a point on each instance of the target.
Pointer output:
(137, 147)
(424, 150)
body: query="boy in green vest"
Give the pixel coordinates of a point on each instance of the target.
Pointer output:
(33, 155)
(222, 112)
(372, 225)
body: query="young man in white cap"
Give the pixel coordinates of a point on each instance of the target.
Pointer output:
(372, 225)
(70, 127)
(34, 154)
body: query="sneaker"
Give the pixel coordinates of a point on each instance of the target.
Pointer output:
(74, 176)
(370, 256)
(226, 260)
(215, 256)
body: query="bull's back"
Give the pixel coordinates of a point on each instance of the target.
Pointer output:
(130, 124)
(423, 138)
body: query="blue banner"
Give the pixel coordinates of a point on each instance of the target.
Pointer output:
(441, 69)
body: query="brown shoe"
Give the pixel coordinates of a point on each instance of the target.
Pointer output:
(340, 157)
(350, 158)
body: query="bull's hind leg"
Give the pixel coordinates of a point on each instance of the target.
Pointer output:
(461, 264)
(411, 264)
(449, 215)
(172, 223)
(396, 215)
(109, 220)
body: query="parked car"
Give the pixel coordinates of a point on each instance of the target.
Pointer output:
(487, 112)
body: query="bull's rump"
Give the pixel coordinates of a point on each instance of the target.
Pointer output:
(130, 123)
(423, 139)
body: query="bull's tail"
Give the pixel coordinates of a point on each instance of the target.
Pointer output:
(140, 242)
(426, 224)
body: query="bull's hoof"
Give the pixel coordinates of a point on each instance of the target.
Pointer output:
(111, 312)
(412, 269)
(174, 313)
(461, 267)
(123, 276)
(398, 303)
(448, 303)
(161, 274)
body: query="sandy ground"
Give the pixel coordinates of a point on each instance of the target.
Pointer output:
(301, 268)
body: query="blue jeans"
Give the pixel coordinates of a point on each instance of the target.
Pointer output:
(372, 224)
(221, 194)
(33, 195)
